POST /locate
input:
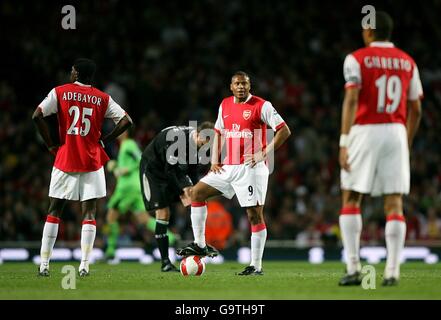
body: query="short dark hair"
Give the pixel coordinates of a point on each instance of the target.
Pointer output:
(86, 70)
(240, 73)
(383, 26)
(205, 125)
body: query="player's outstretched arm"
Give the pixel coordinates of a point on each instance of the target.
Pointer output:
(125, 123)
(43, 129)
(350, 104)
(413, 119)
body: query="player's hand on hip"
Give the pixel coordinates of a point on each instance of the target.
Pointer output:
(343, 159)
(253, 159)
(216, 168)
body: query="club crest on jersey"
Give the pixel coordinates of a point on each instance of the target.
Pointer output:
(246, 114)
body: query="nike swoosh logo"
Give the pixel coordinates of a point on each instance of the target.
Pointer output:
(226, 116)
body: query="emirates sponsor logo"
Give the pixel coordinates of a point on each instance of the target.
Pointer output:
(239, 134)
(246, 114)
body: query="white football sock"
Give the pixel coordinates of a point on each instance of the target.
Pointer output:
(395, 234)
(198, 219)
(258, 239)
(350, 226)
(50, 232)
(88, 232)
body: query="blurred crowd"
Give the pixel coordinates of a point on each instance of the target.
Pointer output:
(170, 62)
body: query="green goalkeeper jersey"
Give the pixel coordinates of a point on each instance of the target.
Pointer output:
(129, 156)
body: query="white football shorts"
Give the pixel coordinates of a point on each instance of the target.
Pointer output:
(248, 184)
(378, 159)
(77, 185)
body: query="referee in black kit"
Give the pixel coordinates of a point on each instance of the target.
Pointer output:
(170, 166)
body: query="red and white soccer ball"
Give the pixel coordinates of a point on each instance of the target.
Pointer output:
(192, 266)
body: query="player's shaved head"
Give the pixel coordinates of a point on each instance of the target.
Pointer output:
(383, 26)
(85, 69)
(240, 74)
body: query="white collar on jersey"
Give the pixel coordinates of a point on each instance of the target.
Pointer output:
(82, 84)
(248, 98)
(381, 44)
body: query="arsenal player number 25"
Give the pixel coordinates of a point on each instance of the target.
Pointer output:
(85, 122)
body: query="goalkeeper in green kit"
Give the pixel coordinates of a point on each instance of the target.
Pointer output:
(127, 195)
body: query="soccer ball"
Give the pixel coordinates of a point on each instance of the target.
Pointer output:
(192, 266)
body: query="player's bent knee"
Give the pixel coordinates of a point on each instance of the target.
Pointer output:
(199, 193)
(255, 215)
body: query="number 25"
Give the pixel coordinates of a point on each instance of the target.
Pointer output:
(73, 129)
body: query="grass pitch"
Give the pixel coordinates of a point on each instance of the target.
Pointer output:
(282, 280)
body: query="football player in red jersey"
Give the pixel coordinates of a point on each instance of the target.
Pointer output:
(78, 172)
(241, 122)
(381, 114)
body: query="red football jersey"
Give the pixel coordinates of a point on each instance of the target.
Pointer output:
(81, 110)
(243, 125)
(387, 78)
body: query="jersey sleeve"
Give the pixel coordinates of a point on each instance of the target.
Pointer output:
(415, 87)
(271, 117)
(219, 125)
(49, 105)
(114, 111)
(352, 72)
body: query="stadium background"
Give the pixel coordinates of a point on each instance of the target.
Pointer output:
(170, 62)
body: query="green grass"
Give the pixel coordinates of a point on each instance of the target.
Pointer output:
(282, 280)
